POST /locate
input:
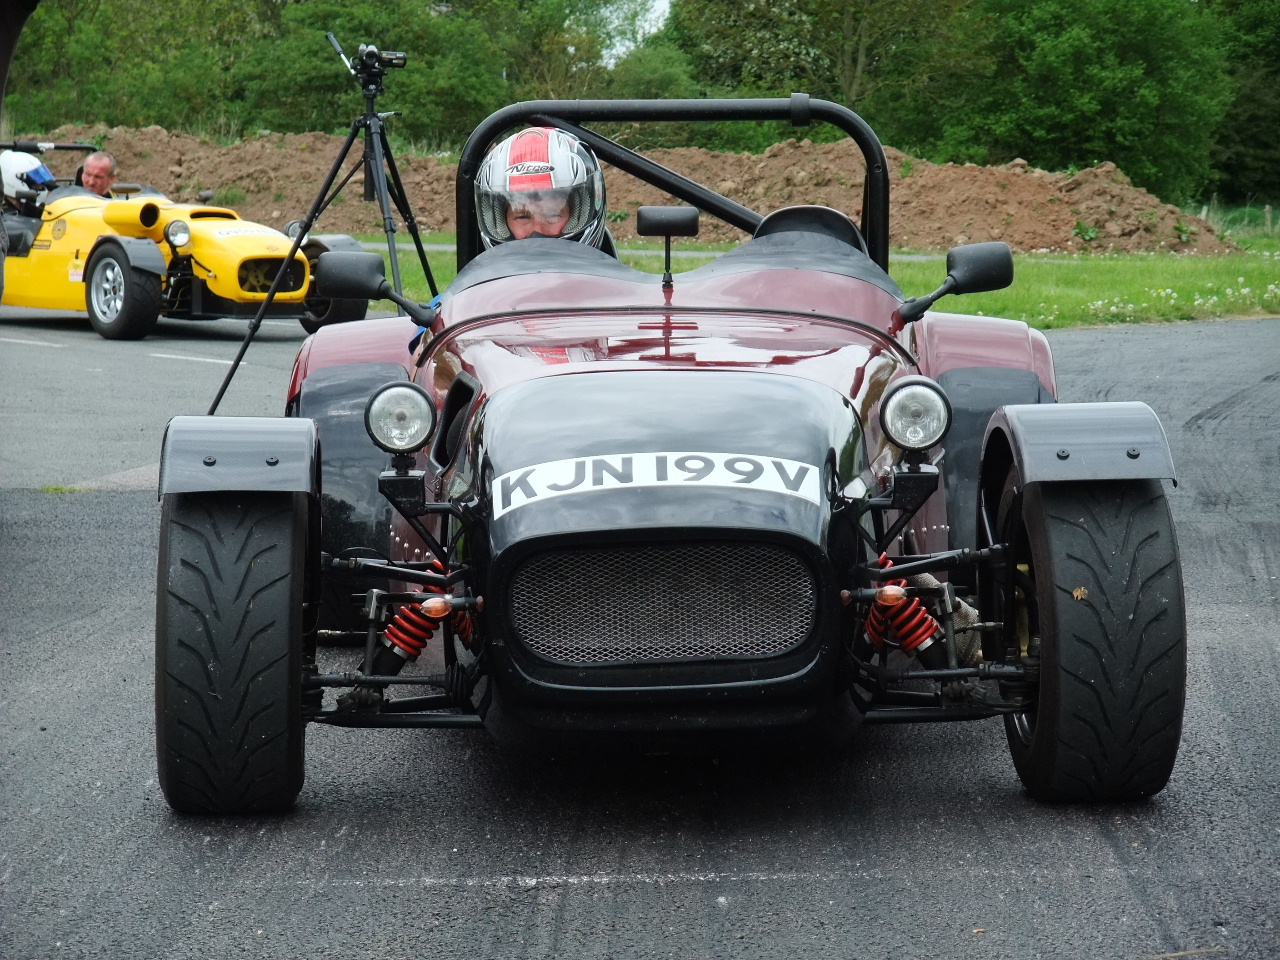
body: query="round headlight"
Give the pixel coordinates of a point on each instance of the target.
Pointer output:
(400, 417)
(293, 228)
(178, 233)
(916, 413)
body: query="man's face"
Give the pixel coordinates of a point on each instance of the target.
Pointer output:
(97, 176)
(543, 213)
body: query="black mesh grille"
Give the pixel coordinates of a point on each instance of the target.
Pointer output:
(258, 273)
(651, 604)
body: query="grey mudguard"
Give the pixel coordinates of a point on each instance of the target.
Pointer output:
(204, 454)
(1084, 441)
(143, 254)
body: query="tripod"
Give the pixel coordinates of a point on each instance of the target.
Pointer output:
(381, 183)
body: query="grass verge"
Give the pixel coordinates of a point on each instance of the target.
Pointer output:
(1048, 290)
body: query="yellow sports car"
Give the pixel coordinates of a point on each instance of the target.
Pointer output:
(132, 259)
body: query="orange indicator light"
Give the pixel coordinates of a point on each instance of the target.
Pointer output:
(437, 607)
(890, 595)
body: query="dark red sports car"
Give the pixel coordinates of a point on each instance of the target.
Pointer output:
(766, 500)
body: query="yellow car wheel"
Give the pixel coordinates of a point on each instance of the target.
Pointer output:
(319, 312)
(123, 302)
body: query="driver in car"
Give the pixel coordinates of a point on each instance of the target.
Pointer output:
(99, 173)
(540, 182)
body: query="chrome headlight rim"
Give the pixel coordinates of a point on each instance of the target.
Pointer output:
(896, 395)
(293, 228)
(178, 233)
(426, 408)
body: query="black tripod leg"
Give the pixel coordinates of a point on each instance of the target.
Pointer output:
(401, 199)
(375, 168)
(321, 201)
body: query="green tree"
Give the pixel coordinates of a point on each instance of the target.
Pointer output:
(653, 71)
(128, 62)
(842, 50)
(1072, 82)
(1246, 154)
(296, 83)
(229, 65)
(896, 62)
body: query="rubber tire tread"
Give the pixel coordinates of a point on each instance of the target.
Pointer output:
(336, 311)
(229, 603)
(1113, 642)
(143, 298)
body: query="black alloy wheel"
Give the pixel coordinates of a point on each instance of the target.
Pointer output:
(123, 302)
(230, 651)
(1096, 594)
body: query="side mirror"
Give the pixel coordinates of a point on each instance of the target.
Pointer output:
(979, 267)
(667, 221)
(971, 268)
(346, 275)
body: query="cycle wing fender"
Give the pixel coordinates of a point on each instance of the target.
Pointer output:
(143, 254)
(1076, 441)
(203, 454)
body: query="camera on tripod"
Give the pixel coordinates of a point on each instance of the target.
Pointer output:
(370, 56)
(370, 64)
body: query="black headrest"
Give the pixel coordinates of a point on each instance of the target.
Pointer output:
(809, 218)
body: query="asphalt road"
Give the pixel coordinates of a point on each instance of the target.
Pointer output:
(916, 843)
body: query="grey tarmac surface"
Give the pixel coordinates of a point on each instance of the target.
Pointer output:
(917, 843)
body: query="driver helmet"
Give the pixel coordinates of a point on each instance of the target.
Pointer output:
(22, 171)
(542, 175)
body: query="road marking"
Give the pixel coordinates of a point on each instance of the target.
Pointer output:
(176, 356)
(32, 343)
(576, 880)
(139, 478)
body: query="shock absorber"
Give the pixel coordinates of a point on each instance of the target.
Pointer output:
(406, 636)
(411, 629)
(897, 620)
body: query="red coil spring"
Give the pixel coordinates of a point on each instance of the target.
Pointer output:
(910, 624)
(411, 628)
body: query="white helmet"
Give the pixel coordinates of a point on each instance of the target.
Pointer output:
(22, 171)
(540, 182)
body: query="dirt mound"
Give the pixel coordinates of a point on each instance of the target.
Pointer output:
(273, 178)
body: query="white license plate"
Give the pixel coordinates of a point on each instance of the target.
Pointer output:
(559, 478)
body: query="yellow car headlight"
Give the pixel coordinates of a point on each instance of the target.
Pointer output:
(178, 233)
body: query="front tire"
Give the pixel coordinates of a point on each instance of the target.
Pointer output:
(1099, 592)
(229, 651)
(323, 313)
(123, 302)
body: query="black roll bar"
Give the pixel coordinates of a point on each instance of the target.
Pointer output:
(568, 115)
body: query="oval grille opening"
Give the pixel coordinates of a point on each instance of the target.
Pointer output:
(258, 273)
(707, 601)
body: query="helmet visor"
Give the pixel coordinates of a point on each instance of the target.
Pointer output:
(39, 178)
(544, 212)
